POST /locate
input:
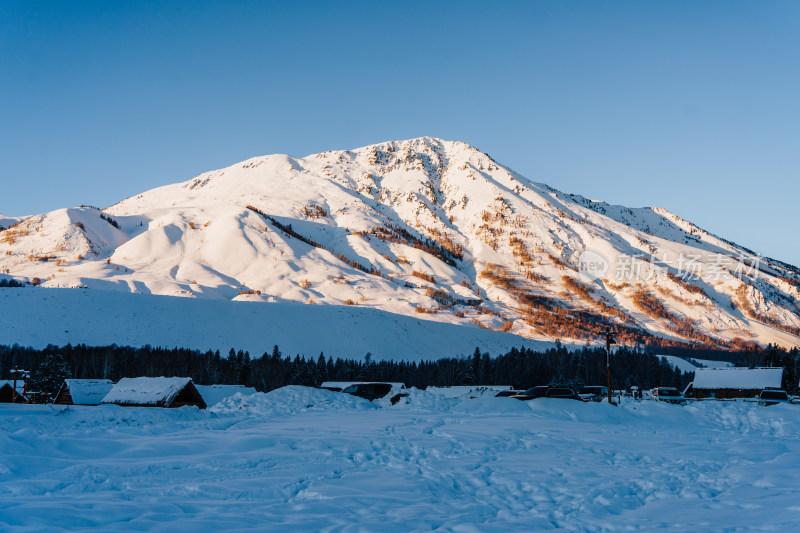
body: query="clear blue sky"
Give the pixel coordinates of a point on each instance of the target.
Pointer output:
(693, 106)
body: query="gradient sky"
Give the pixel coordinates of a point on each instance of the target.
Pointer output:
(693, 106)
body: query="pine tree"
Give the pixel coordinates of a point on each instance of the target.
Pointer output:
(322, 369)
(476, 367)
(48, 377)
(245, 370)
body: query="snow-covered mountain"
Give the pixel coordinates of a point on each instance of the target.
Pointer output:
(425, 227)
(6, 221)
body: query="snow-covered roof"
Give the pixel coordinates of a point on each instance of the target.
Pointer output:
(159, 391)
(88, 391)
(213, 394)
(10, 383)
(738, 378)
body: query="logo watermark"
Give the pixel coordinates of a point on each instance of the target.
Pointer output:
(592, 265)
(708, 266)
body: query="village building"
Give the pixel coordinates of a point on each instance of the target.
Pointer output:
(154, 392)
(7, 388)
(734, 382)
(214, 394)
(83, 391)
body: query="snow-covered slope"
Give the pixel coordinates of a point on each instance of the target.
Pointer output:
(690, 365)
(100, 318)
(680, 363)
(427, 228)
(6, 221)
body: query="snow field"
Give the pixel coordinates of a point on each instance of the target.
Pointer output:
(679, 362)
(98, 318)
(688, 366)
(300, 459)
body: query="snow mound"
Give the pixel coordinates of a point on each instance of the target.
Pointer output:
(423, 400)
(291, 400)
(214, 394)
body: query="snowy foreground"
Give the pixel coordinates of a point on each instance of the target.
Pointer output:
(301, 459)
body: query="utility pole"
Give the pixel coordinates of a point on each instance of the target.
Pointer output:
(609, 341)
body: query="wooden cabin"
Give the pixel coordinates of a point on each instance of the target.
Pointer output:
(83, 391)
(7, 388)
(154, 392)
(734, 382)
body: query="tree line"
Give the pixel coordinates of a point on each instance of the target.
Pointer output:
(520, 367)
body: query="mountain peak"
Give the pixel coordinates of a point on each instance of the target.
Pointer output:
(433, 143)
(424, 227)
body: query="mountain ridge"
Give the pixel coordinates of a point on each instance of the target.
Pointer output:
(424, 227)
